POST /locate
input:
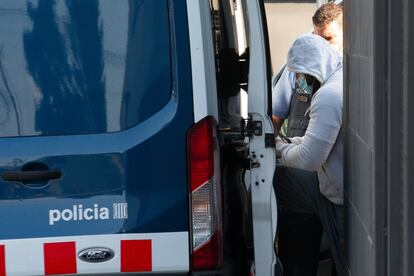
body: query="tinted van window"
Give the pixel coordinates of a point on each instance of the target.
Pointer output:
(82, 66)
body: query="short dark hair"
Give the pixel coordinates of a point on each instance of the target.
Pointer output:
(326, 14)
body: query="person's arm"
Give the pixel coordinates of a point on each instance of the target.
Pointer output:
(324, 126)
(281, 96)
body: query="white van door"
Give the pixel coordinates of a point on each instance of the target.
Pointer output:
(262, 143)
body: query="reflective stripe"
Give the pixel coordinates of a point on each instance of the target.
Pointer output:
(152, 252)
(136, 256)
(2, 261)
(60, 258)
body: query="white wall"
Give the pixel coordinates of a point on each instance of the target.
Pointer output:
(286, 21)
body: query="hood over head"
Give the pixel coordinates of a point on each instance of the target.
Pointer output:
(313, 55)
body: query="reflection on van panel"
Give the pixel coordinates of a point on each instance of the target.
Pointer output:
(69, 67)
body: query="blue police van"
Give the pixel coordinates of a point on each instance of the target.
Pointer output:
(128, 141)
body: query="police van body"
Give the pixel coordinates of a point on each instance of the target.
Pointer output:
(123, 148)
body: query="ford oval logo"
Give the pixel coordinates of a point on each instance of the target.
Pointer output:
(96, 254)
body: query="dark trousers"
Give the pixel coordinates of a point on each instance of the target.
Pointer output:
(302, 209)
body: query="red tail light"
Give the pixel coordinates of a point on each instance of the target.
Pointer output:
(201, 153)
(204, 171)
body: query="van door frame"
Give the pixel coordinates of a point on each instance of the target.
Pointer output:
(262, 148)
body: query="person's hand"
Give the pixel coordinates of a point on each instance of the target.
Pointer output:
(282, 140)
(278, 139)
(279, 142)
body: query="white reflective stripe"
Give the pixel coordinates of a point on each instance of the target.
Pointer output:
(170, 252)
(202, 60)
(24, 257)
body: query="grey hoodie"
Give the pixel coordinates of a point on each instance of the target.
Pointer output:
(321, 149)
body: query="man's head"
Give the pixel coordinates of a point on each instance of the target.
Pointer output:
(327, 23)
(312, 55)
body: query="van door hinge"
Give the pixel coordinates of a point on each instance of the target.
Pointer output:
(250, 128)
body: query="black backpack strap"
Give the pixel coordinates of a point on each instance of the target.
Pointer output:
(298, 118)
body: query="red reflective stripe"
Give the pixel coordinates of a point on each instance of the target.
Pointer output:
(136, 255)
(60, 258)
(2, 261)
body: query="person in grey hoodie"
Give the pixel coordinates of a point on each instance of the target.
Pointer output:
(327, 23)
(309, 178)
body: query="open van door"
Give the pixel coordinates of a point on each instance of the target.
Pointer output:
(262, 142)
(248, 152)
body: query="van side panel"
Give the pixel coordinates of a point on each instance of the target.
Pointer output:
(144, 166)
(131, 183)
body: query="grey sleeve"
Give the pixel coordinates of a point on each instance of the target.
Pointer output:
(324, 125)
(282, 94)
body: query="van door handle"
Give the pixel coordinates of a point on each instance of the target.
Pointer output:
(26, 176)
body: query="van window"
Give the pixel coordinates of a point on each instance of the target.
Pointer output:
(71, 67)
